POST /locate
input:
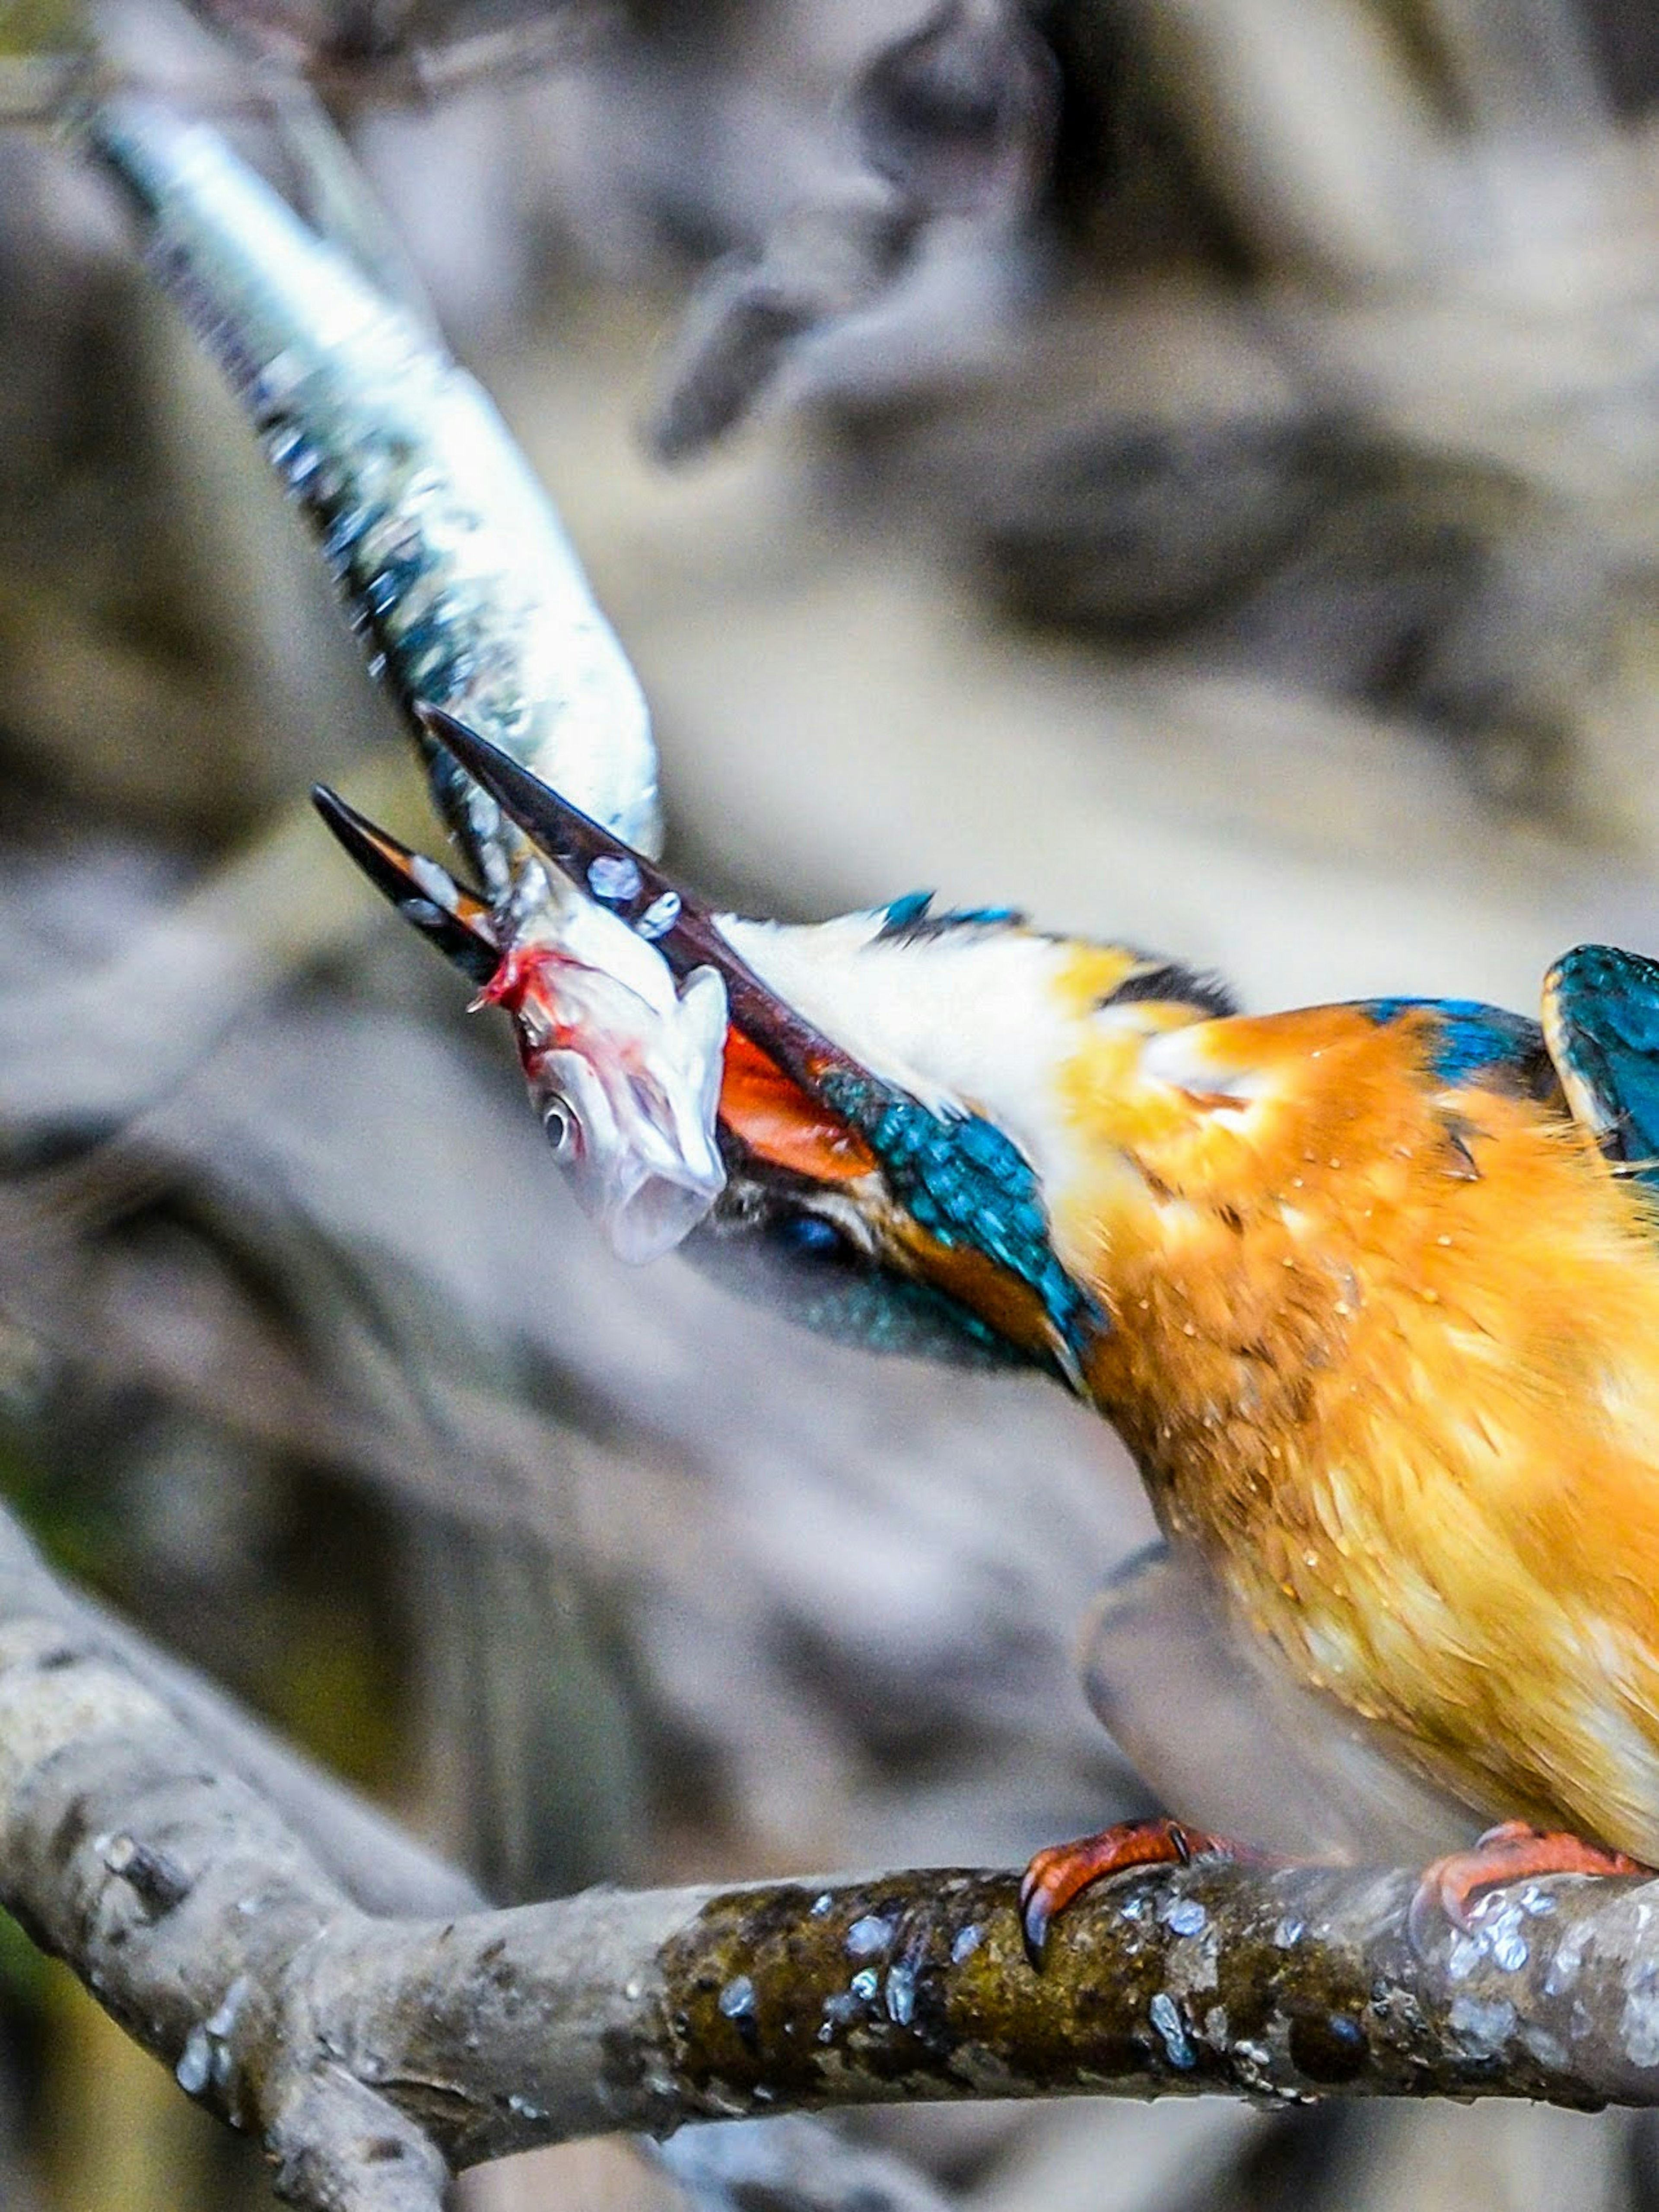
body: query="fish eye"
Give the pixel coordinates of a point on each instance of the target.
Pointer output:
(560, 1124)
(809, 1235)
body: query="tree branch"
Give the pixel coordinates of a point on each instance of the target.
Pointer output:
(377, 1863)
(205, 1896)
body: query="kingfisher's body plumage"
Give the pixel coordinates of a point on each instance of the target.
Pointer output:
(1386, 1351)
(1382, 1329)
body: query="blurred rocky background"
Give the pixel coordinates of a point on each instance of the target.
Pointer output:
(1190, 466)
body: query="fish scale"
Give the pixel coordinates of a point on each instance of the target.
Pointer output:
(466, 592)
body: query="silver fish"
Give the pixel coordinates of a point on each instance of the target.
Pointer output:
(467, 593)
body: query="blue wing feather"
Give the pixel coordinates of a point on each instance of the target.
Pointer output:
(1476, 1044)
(1602, 1019)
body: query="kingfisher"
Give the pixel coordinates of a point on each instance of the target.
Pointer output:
(1371, 1291)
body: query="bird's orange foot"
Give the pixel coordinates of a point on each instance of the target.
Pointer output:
(1450, 1888)
(1055, 1877)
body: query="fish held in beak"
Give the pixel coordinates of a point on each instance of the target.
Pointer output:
(625, 1072)
(624, 1068)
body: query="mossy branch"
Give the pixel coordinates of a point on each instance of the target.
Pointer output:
(219, 1901)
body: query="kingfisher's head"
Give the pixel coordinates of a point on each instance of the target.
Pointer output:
(950, 1139)
(915, 1106)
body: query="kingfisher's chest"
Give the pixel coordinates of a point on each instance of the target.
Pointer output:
(1389, 1357)
(1418, 1441)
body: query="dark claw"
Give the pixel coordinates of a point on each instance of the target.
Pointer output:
(1427, 1918)
(456, 921)
(1036, 1915)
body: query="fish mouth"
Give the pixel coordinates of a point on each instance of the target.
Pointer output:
(646, 1195)
(625, 1074)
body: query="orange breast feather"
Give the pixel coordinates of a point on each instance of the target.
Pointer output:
(1391, 1358)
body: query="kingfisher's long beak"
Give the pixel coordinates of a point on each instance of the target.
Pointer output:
(456, 921)
(680, 925)
(953, 1189)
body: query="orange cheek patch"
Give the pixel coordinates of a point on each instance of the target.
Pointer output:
(775, 1118)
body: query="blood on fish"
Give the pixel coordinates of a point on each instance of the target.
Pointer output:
(522, 982)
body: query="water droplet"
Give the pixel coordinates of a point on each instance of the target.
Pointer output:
(660, 915)
(1166, 2018)
(1569, 1958)
(900, 1994)
(1484, 2024)
(1463, 1957)
(1509, 1950)
(235, 1997)
(737, 1997)
(195, 2065)
(1185, 1916)
(613, 877)
(967, 1942)
(1289, 1933)
(821, 1903)
(869, 1935)
(865, 1983)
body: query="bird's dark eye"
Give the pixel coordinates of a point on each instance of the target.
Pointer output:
(809, 1235)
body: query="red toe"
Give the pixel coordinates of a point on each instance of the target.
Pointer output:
(1062, 1872)
(1451, 1887)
